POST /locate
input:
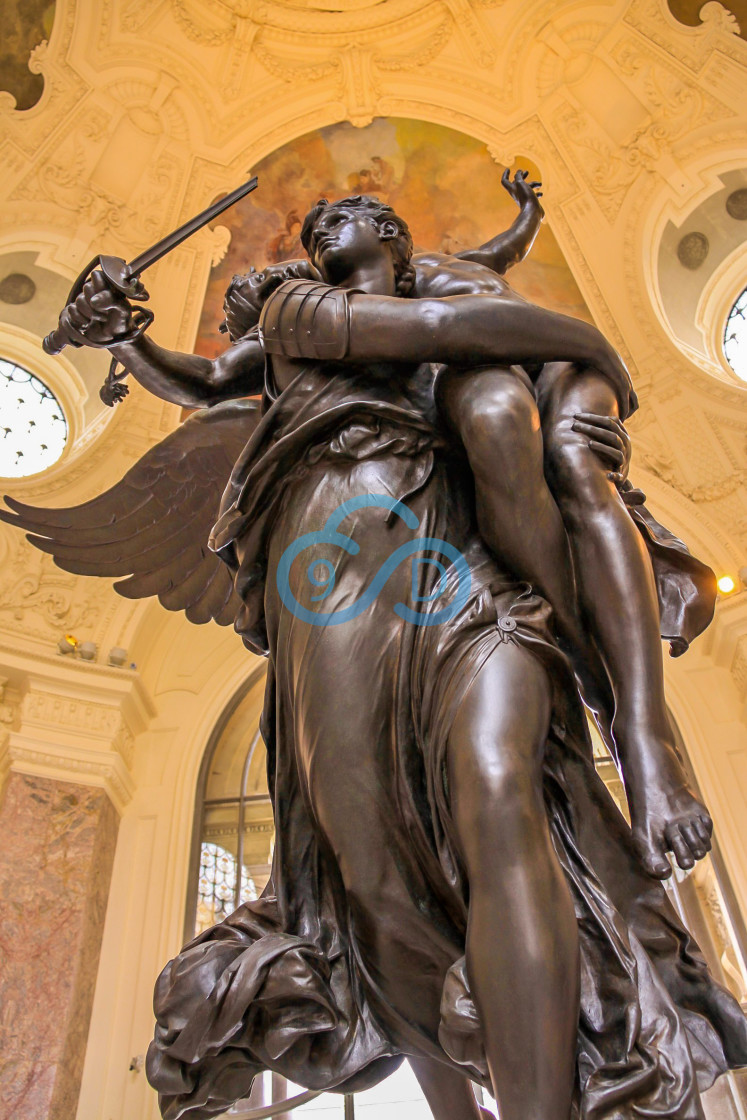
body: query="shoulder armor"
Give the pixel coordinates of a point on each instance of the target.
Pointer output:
(306, 319)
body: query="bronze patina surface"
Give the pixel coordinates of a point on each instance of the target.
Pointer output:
(426, 525)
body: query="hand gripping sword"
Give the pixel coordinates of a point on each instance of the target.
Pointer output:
(124, 278)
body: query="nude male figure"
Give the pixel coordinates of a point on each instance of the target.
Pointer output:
(556, 475)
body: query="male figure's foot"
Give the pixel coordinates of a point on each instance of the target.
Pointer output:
(665, 814)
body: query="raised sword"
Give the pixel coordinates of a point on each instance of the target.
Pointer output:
(124, 277)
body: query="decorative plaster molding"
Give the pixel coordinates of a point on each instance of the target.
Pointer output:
(10, 704)
(200, 25)
(728, 637)
(214, 86)
(689, 45)
(38, 599)
(95, 721)
(716, 300)
(74, 719)
(715, 16)
(739, 666)
(45, 600)
(643, 217)
(659, 95)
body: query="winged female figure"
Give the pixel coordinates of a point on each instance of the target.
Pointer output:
(451, 881)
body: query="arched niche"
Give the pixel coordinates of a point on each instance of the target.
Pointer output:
(445, 183)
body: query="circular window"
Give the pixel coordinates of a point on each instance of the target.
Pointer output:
(735, 337)
(33, 430)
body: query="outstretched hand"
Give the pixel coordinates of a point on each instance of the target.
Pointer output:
(522, 191)
(112, 392)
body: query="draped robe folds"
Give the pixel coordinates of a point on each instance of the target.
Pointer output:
(354, 954)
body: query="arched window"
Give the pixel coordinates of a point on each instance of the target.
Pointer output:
(220, 888)
(33, 429)
(735, 337)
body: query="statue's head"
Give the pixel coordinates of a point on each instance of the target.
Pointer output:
(341, 236)
(247, 294)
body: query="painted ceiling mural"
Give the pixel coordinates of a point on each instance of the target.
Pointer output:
(24, 24)
(690, 12)
(444, 183)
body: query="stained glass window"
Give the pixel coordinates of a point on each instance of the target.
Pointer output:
(33, 430)
(735, 337)
(217, 894)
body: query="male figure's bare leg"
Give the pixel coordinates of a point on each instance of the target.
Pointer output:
(449, 1093)
(618, 598)
(522, 935)
(495, 415)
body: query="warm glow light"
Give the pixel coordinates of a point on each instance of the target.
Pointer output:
(726, 585)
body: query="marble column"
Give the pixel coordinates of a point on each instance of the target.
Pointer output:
(57, 843)
(67, 734)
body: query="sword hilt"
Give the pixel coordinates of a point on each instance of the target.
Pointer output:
(119, 277)
(124, 277)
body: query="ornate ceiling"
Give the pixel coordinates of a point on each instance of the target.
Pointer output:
(151, 109)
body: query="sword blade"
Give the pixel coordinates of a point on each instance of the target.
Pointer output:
(171, 240)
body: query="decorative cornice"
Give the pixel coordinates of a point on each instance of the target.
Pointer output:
(690, 45)
(10, 704)
(103, 769)
(73, 721)
(728, 637)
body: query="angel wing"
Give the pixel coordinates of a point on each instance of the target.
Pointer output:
(153, 525)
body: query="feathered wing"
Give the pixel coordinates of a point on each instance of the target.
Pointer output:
(153, 525)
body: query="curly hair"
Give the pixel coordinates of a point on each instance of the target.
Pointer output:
(377, 213)
(247, 294)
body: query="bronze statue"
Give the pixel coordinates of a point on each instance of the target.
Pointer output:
(451, 881)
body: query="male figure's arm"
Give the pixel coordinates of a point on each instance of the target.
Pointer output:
(511, 246)
(475, 330)
(191, 380)
(470, 330)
